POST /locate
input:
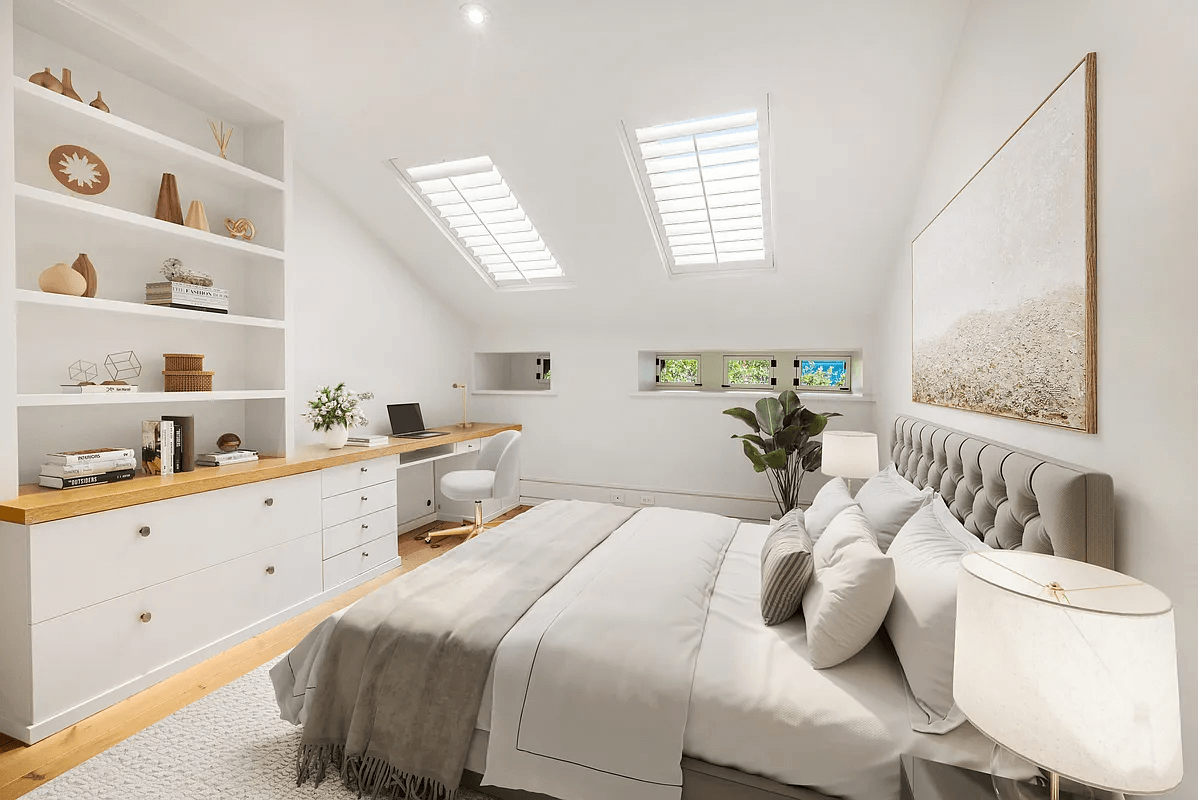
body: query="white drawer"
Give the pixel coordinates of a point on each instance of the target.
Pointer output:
(348, 477)
(358, 503)
(468, 446)
(81, 655)
(351, 563)
(340, 538)
(84, 560)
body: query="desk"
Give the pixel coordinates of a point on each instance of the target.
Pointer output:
(144, 578)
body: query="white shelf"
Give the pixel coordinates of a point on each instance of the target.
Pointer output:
(32, 102)
(60, 399)
(73, 205)
(140, 309)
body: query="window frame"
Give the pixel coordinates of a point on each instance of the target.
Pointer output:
(661, 358)
(727, 358)
(544, 376)
(798, 372)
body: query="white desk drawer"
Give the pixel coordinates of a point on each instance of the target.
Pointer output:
(81, 655)
(340, 538)
(350, 477)
(469, 446)
(358, 503)
(84, 560)
(351, 563)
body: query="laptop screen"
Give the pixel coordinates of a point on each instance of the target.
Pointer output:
(405, 418)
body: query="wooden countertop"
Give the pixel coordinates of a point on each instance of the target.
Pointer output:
(37, 504)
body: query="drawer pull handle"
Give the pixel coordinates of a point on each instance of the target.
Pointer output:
(270, 570)
(270, 501)
(364, 469)
(365, 498)
(144, 530)
(365, 526)
(145, 617)
(365, 554)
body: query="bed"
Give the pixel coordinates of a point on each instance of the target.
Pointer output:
(748, 714)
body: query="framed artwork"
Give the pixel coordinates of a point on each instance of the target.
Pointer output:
(1004, 296)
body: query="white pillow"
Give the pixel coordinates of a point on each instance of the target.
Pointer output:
(847, 599)
(832, 498)
(888, 500)
(923, 615)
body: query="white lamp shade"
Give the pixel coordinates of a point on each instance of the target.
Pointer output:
(850, 454)
(1082, 682)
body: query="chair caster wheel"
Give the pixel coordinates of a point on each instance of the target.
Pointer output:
(428, 540)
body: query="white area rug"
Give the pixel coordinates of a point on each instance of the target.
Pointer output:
(230, 744)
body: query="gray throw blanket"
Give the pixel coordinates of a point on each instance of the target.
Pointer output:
(406, 667)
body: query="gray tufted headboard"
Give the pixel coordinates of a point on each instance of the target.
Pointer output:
(1010, 498)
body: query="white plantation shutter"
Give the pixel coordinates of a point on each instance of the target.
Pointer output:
(705, 191)
(474, 207)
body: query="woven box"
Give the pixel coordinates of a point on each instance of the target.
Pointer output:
(187, 381)
(183, 362)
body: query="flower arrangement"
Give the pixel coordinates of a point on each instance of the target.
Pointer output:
(336, 407)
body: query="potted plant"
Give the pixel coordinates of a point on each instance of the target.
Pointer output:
(781, 443)
(335, 410)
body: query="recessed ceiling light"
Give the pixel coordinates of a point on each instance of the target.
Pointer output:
(475, 13)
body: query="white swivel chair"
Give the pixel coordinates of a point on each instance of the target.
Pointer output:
(497, 474)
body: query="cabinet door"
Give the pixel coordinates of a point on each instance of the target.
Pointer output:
(413, 492)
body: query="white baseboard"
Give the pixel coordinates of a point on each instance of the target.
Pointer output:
(38, 731)
(539, 490)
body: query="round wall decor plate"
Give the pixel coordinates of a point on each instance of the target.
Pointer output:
(79, 169)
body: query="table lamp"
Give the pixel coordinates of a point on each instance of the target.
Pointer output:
(463, 423)
(1072, 667)
(850, 454)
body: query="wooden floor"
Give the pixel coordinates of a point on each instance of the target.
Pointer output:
(25, 767)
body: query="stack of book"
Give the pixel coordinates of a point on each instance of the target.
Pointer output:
(172, 294)
(368, 441)
(224, 459)
(88, 467)
(102, 388)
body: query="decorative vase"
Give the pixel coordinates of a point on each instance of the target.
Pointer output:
(196, 217)
(169, 209)
(99, 103)
(46, 80)
(336, 437)
(61, 279)
(67, 89)
(83, 265)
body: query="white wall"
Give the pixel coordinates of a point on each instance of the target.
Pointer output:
(361, 317)
(595, 429)
(1012, 54)
(8, 312)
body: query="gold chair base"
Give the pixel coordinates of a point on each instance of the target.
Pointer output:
(471, 530)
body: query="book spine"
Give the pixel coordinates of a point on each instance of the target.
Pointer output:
(186, 290)
(187, 298)
(71, 459)
(166, 446)
(184, 442)
(101, 389)
(223, 459)
(85, 480)
(151, 446)
(90, 468)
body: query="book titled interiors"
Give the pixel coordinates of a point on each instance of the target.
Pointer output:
(70, 457)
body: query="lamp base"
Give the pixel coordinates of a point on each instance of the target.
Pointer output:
(1016, 779)
(464, 425)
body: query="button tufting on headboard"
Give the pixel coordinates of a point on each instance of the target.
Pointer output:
(1010, 498)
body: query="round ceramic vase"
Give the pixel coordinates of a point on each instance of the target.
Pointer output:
(336, 437)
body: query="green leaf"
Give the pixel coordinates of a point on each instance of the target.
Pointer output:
(788, 437)
(759, 464)
(776, 459)
(769, 415)
(790, 401)
(752, 437)
(817, 425)
(813, 459)
(744, 415)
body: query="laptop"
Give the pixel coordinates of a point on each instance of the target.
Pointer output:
(408, 423)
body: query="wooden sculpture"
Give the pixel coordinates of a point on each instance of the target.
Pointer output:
(83, 265)
(196, 217)
(169, 207)
(79, 169)
(99, 103)
(67, 89)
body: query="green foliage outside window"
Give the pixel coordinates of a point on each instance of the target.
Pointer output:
(824, 373)
(749, 372)
(679, 370)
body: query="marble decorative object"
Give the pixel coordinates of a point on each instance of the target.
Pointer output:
(173, 270)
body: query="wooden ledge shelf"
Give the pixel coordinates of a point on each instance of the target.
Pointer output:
(36, 504)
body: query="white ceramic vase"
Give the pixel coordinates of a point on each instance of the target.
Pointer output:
(336, 437)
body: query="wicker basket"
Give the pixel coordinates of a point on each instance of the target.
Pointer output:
(184, 362)
(187, 381)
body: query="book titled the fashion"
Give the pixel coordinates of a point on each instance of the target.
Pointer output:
(70, 388)
(52, 482)
(71, 457)
(158, 447)
(169, 289)
(88, 468)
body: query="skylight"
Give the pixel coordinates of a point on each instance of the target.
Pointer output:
(472, 204)
(705, 188)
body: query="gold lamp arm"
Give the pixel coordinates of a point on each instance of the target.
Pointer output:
(463, 423)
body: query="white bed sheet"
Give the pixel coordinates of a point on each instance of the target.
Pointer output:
(757, 704)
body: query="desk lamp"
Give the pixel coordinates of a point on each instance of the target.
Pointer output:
(850, 454)
(463, 423)
(1071, 667)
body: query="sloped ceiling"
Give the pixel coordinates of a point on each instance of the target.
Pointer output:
(854, 87)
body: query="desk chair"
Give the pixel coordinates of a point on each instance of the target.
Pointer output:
(497, 474)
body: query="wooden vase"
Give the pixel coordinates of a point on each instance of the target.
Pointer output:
(169, 207)
(67, 89)
(83, 265)
(196, 217)
(99, 103)
(61, 279)
(46, 80)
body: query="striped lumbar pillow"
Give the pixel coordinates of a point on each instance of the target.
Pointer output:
(786, 568)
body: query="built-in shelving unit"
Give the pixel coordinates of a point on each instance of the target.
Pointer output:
(161, 99)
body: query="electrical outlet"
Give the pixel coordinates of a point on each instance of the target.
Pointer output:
(648, 500)
(617, 497)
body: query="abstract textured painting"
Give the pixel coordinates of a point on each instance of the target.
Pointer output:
(1003, 278)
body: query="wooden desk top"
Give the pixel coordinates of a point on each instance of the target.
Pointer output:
(37, 504)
